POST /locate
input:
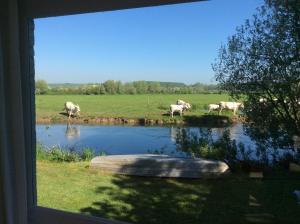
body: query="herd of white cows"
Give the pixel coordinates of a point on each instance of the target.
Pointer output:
(275, 100)
(234, 106)
(180, 107)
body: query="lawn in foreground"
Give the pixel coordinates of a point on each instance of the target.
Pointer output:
(154, 106)
(235, 199)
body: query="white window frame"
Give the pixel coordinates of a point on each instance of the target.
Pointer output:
(27, 11)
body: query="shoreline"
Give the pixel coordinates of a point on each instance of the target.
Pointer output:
(204, 120)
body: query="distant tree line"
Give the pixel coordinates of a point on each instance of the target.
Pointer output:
(111, 87)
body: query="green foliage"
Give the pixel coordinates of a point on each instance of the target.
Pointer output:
(129, 88)
(127, 106)
(236, 198)
(41, 153)
(227, 150)
(261, 61)
(141, 86)
(202, 145)
(111, 87)
(41, 87)
(58, 154)
(102, 153)
(87, 154)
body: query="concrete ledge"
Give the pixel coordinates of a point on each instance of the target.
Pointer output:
(159, 166)
(294, 167)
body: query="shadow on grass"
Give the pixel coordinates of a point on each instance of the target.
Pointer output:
(232, 199)
(207, 120)
(64, 114)
(167, 114)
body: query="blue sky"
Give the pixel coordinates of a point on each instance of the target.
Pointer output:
(166, 43)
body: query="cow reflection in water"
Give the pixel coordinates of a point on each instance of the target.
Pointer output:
(72, 131)
(174, 133)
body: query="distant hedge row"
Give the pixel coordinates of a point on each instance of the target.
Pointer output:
(117, 87)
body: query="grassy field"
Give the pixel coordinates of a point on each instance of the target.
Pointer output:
(235, 199)
(128, 106)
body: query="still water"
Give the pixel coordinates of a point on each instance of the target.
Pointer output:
(115, 140)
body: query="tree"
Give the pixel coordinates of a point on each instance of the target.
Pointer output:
(261, 62)
(110, 86)
(198, 87)
(129, 88)
(101, 89)
(154, 87)
(41, 87)
(119, 87)
(140, 86)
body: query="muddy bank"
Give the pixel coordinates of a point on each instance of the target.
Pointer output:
(204, 120)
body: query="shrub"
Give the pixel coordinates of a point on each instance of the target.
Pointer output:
(59, 154)
(202, 145)
(55, 154)
(102, 153)
(87, 154)
(71, 156)
(41, 154)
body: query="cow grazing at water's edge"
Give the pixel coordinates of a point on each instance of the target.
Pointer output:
(212, 107)
(177, 108)
(187, 106)
(71, 108)
(234, 106)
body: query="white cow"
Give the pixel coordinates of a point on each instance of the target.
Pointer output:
(181, 102)
(212, 107)
(275, 100)
(177, 108)
(234, 106)
(263, 100)
(71, 108)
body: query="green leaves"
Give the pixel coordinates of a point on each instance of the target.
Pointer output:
(262, 60)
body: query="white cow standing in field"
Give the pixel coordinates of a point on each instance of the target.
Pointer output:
(177, 108)
(71, 108)
(181, 102)
(234, 106)
(212, 107)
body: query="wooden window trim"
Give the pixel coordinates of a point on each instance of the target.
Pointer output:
(28, 11)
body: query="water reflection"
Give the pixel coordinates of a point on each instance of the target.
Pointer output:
(126, 139)
(72, 131)
(173, 133)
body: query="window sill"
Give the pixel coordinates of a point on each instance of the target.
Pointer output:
(41, 215)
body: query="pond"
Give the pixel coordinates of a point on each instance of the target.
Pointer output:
(116, 140)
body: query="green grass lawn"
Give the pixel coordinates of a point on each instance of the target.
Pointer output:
(235, 199)
(153, 106)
